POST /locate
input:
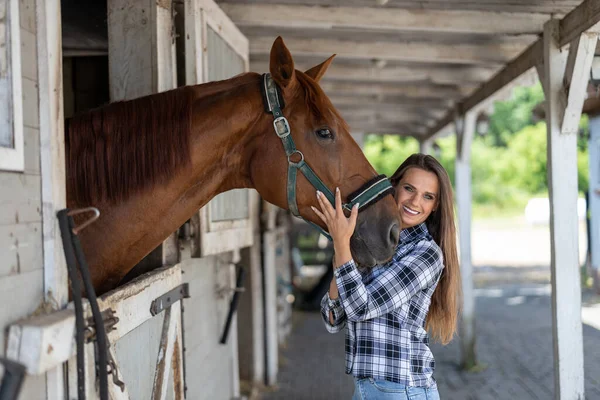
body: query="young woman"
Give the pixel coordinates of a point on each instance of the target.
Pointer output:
(388, 310)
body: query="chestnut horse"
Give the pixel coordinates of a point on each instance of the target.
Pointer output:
(149, 164)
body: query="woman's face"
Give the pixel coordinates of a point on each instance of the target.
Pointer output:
(417, 196)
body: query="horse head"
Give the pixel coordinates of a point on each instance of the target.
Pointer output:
(321, 139)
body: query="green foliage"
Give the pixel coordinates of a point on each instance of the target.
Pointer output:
(508, 164)
(387, 152)
(513, 115)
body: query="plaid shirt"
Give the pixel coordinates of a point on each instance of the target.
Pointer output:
(384, 309)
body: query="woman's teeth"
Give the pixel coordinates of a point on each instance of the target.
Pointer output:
(408, 210)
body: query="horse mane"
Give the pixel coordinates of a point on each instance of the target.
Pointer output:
(124, 147)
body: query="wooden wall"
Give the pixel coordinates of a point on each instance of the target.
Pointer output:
(21, 255)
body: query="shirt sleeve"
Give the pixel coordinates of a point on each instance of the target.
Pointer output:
(392, 288)
(339, 316)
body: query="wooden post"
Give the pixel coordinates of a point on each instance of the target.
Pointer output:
(594, 199)
(142, 61)
(465, 129)
(52, 164)
(426, 146)
(566, 74)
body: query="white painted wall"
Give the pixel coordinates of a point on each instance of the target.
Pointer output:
(21, 255)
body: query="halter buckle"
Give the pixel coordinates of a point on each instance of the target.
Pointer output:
(282, 127)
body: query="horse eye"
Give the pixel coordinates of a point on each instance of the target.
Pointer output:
(324, 133)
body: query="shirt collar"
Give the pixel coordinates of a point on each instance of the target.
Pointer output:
(413, 233)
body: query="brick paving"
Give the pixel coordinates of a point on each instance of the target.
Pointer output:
(514, 348)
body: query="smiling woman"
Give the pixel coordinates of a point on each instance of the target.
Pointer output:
(391, 309)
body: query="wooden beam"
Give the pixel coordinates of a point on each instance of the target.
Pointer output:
(581, 19)
(584, 17)
(419, 73)
(579, 63)
(365, 100)
(392, 19)
(562, 185)
(540, 6)
(406, 128)
(52, 163)
(387, 113)
(498, 53)
(446, 91)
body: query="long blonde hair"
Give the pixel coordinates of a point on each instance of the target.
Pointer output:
(445, 303)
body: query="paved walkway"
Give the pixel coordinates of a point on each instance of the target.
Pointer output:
(514, 333)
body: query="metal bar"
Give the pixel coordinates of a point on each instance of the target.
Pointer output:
(233, 305)
(166, 300)
(12, 380)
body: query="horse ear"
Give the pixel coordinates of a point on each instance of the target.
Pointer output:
(318, 71)
(281, 65)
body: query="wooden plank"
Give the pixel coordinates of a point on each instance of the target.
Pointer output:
(406, 90)
(535, 6)
(21, 248)
(365, 100)
(21, 294)
(177, 361)
(166, 351)
(581, 19)
(29, 67)
(498, 53)
(131, 302)
(38, 343)
(227, 29)
(114, 391)
(465, 129)
(395, 128)
(390, 19)
(579, 63)
(562, 182)
(52, 161)
(194, 61)
(31, 103)
(27, 16)
(31, 143)
(20, 199)
(389, 113)
(340, 71)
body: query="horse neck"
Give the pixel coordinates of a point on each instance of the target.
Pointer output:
(223, 118)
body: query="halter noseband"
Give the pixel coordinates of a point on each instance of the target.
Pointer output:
(368, 194)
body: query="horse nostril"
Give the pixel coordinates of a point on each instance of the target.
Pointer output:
(394, 234)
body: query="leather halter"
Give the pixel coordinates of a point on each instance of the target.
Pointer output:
(368, 194)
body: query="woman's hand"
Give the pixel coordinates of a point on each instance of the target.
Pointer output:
(340, 228)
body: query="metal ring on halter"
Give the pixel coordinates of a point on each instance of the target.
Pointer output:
(79, 228)
(301, 157)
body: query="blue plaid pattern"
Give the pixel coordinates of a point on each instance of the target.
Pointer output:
(384, 310)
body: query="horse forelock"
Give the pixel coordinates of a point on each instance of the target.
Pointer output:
(124, 147)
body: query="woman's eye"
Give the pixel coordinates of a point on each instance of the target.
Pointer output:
(428, 197)
(324, 133)
(408, 188)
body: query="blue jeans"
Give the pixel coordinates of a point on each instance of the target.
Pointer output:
(377, 389)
